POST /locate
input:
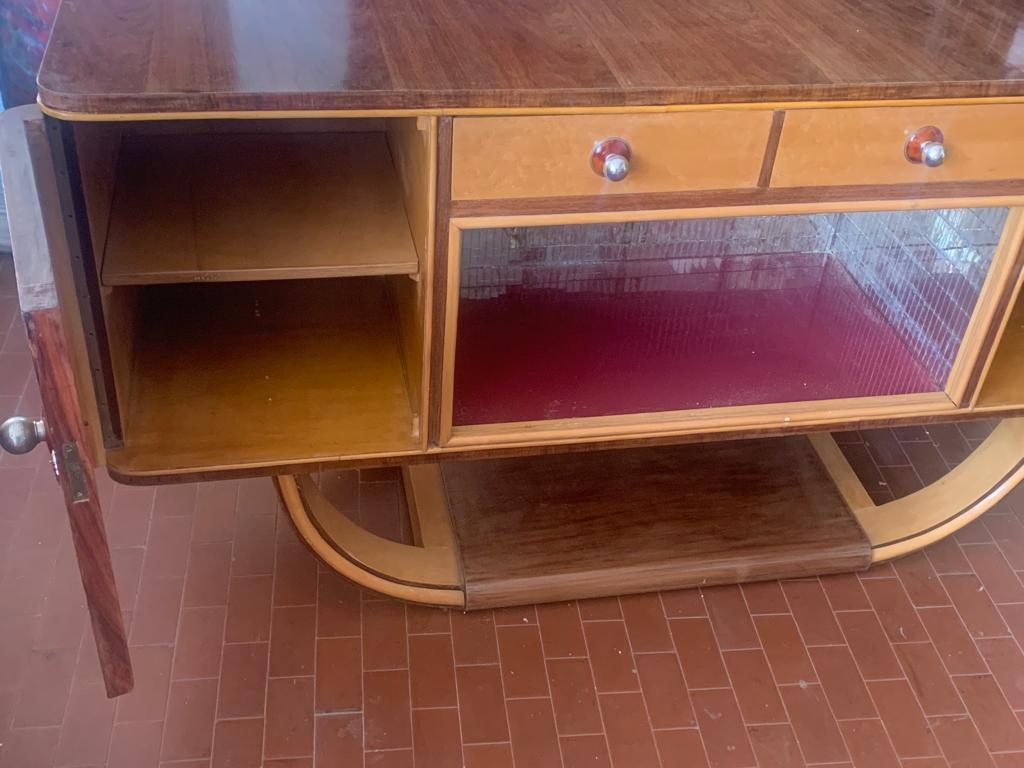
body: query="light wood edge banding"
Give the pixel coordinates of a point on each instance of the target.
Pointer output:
(61, 114)
(415, 574)
(908, 524)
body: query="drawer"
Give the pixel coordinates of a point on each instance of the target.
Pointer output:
(866, 145)
(549, 156)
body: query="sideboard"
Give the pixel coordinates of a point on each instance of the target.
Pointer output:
(600, 277)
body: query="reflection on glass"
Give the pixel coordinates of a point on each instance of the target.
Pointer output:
(601, 319)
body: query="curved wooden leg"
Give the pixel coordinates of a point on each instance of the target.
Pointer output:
(426, 573)
(932, 513)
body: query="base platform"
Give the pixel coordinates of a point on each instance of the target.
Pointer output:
(512, 531)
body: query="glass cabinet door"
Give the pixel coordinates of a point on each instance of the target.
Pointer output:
(605, 319)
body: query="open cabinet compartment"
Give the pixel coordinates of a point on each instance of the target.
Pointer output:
(262, 288)
(560, 323)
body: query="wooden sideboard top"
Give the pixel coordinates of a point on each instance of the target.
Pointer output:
(134, 56)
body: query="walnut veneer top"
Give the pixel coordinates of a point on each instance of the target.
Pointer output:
(127, 56)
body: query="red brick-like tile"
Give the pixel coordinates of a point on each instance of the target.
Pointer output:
(432, 671)
(681, 748)
(611, 656)
(474, 638)
(574, 697)
(188, 730)
(522, 661)
(384, 631)
(487, 755)
(870, 647)
(812, 720)
(630, 740)
(895, 611)
(437, 742)
(339, 675)
(699, 653)
(785, 650)
(903, 718)
(339, 739)
(952, 641)
(481, 704)
(561, 630)
(844, 688)
(926, 675)
(730, 618)
(1000, 729)
(585, 751)
(238, 744)
(844, 592)
(198, 650)
(289, 725)
(812, 612)
(755, 687)
(664, 690)
(645, 623)
(869, 744)
(292, 641)
(765, 597)
(243, 680)
(775, 745)
(725, 736)
(386, 709)
(534, 739)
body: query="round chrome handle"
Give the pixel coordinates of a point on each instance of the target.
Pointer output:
(927, 146)
(21, 435)
(616, 167)
(610, 158)
(933, 153)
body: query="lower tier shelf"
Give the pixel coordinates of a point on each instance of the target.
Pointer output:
(559, 527)
(548, 528)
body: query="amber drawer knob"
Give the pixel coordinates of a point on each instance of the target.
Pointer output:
(610, 158)
(926, 145)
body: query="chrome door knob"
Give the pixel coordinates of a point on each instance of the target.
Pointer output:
(926, 145)
(21, 435)
(610, 158)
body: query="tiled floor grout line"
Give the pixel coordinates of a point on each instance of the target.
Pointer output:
(728, 675)
(593, 681)
(270, 637)
(181, 602)
(682, 672)
(899, 661)
(455, 684)
(824, 695)
(224, 632)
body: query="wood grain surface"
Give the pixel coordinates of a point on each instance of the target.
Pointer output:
(124, 56)
(559, 527)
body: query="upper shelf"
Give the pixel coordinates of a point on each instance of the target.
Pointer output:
(267, 206)
(161, 56)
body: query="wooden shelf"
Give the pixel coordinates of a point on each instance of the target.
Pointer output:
(260, 206)
(250, 375)
(563, 527)
(1004, 385)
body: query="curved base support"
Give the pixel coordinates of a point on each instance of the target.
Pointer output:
(562, 527)
(908, 524)
(428, 573)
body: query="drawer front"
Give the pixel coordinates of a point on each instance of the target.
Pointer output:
(550, 156)
(867, 145)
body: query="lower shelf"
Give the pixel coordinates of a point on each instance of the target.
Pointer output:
(559, 527)
(540, 529)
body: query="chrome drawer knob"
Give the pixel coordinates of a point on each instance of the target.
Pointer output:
(610, 158)
(926, 145)
(21, 435)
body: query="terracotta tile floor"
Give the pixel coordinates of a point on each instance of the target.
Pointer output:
(247, 654)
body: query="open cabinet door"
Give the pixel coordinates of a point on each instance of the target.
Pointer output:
(36, 232)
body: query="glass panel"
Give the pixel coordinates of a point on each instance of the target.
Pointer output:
(601, 319)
